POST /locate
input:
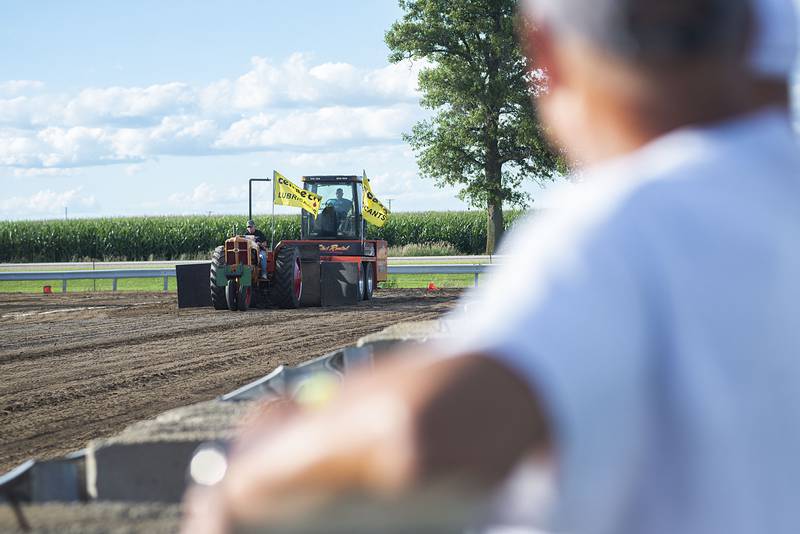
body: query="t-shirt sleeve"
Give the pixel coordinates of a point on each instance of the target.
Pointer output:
(569, 316)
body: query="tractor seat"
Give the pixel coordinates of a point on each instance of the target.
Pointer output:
(326, 222)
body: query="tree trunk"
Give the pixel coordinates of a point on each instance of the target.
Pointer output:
(494, 226)
(493, 168)
(494, 204)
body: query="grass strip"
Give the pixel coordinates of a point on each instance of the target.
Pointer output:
(401, 281)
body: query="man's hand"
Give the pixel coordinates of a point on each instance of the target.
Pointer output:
(411, 422)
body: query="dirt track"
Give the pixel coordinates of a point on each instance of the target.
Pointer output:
(81, 366)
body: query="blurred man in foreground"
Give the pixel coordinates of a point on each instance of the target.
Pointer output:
(644, 336)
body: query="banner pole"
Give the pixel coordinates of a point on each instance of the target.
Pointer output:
(361, 215)
(272, 233)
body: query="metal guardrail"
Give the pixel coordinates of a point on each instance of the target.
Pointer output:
(87, 265)
(475, 269)
(109, 274)
(117, 274)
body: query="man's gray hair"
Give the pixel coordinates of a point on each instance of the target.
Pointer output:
(649, 29)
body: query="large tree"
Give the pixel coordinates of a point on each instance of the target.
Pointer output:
(483, 137)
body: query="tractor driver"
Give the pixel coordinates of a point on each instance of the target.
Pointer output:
(261, 241)
(342, 205)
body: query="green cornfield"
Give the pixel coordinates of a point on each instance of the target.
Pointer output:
(175, 238)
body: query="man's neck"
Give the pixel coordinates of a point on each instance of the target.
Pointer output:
(625, 129)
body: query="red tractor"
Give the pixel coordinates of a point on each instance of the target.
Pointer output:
(332, 263)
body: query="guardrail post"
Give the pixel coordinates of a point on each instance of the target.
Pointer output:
(114, 284)
(476, 278)
(64, 285)
(166, 284)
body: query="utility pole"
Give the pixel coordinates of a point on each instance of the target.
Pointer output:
(65, 213)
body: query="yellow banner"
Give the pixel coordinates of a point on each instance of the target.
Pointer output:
(374, 212)
(288, 194)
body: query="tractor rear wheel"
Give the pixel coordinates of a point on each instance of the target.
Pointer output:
(287, 285)
(232, 295)
(217, 292)
(369, 281)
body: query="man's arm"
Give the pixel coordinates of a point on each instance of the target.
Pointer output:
(411, 422)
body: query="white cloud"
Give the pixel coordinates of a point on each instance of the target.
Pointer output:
(291, 105)
(335, 74)
(27, 111)
(85, 146)
(46, 203)
(120, 104)
(179, 134)
(15, 110)
(397, 81)
(32, 111)
(329, 126)
(17, 149)
(68, 147)
(266, 84)
(297, 82)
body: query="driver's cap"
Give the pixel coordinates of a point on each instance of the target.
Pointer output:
(776, 44)
(251, 222)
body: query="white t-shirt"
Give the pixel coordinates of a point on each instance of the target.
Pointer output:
(657, 314)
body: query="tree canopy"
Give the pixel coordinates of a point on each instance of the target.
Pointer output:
(484, 136)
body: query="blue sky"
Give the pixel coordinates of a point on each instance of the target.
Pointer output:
(140, 108)
(145, 108)
(73, 45)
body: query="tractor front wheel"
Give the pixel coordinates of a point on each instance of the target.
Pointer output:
(218, 299)
(232, 295)
(245, 294)
(287, 286)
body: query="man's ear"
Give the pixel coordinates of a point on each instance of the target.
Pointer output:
(537, 44)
